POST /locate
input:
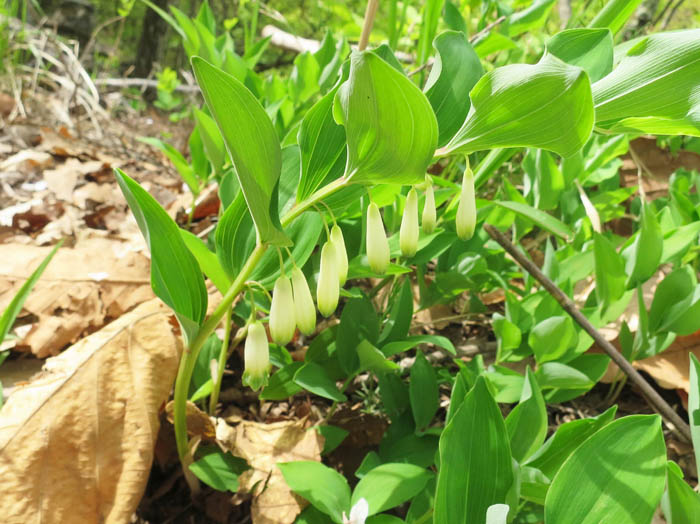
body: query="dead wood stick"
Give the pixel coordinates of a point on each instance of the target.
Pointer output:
(658, 403)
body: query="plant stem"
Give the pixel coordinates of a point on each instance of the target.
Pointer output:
(223, 357)
(189, 356)
(370, 13)
(656, 401)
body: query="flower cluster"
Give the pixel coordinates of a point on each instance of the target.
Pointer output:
(292, 305)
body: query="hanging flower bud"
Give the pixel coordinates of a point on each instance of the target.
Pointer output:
(256, 356)
(341, 255)
(328, 290)
(466, 211)
(303, 303)
(429, 214)
(408, 234)
(282, 318)
(377, 243)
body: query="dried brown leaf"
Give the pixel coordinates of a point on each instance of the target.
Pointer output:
(76, 444)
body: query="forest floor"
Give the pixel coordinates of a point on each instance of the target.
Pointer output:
(57, 182)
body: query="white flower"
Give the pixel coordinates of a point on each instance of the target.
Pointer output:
(282, 318)
(256, 356)
(358, 513)
(377, 243)
(340, 252)
(328, 288)
(408, 234)
(466, 211)
(303, 303)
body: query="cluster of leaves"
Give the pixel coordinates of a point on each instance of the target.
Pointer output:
(345, 132)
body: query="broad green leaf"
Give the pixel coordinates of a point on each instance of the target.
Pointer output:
(643, 255)
(589, 49)
(493, 42)
(218, 469)
(610, 277)
(281, 385)
(508, 335)
(679, 240)
(324, 487)
(430, 16)
(373, 359)
(393, 348)
(549, 181)
(456, 70)
(616, 476)
(569, 436)
(676, 303)
(614, 14)
(694, 405)
(333, 436)
(475, 463)
(303, 82)
(527, 423)
(211, 139)
(654, 89)
(175, 275)
(390, 127)
(423, 391)
(389, 485)
(358, 322)
(15, 306)
(315, 379)
(551, 338)
(539, 217)
(394, 394)
(546, 105)
(207, 261)
(252, 143)
(532, 17)
(400, 315)
(322, 144)
(681, 504)
(185, 170)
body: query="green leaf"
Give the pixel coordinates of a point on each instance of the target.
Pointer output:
(423, 391)
(569, 436)
(610, 277)
(394, 394)
(614, 14)
(475, 463)
(547, 105)
(456, 70)
(694, 405)
(643, 255)
(539, 217)
(315, 379)
(175, 275)
(676, 303)
(182, 166)
(400, 315)
(324, 487)
(358, 322)
(654, 87)
(530, 18)
(322, 144)
(549, 181)
(333, 436)
(393, 348)
(15, 306)
(390, 127)
(589, 49)
(252, 143)
(551, 338)
(373, 359)
(211, 139)
(527, 423)
(390, 485)
(303, 82)
(207, 260)
(681, 504)
(218, 469)
(281, 385)
(617, 475)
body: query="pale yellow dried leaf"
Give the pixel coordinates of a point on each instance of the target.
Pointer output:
(76, 444)
(263, 446)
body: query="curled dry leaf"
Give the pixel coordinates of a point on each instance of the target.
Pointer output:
(76, 443)
(263, 446)
(81, 289)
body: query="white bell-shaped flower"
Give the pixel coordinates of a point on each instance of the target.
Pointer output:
(377, 244)
(466, 211)
(408, 234)
(282, 317)
(340, 252)
(303, 303)
(328, 290)
(256, 356)
(429, 219)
